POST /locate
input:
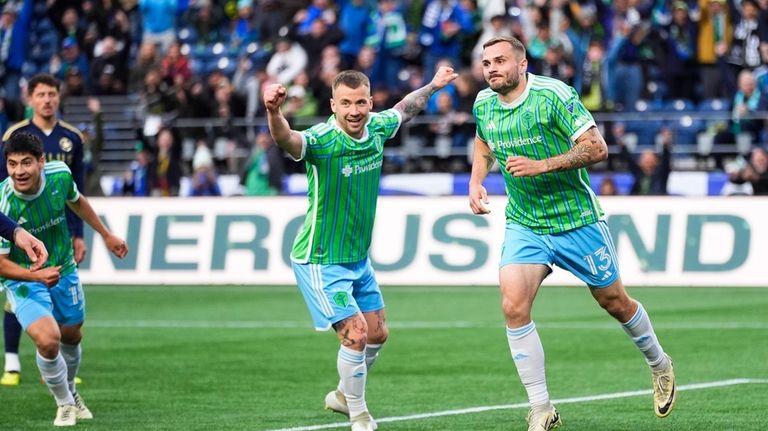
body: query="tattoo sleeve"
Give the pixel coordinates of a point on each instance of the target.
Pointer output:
(415, 101)
(589, 149)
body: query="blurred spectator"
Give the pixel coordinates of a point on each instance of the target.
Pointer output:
(608, 187)
(555, 65)
(320, 35)
(584, 32)
(499, 26)
(67, 21)
(146, 60)
(154, 96)
(354, 22)
(625, 56)
(109, 71)
(651, 171)
(272, 16)
(441, 26)
(744, 52)
(73, 84)
(746, 103)
(288, 60)
(136, 180)
(206, 19)
(175, 64)
(317, 10)
(250, 85)
(165, 169)
(263, 174)
(14, 31)
(204, 182)
(755, 172)
(715, 35)
(387, 36)
(592, 76)
(300, 104)
(71, 57)
(243, 29)
(449, 139)
(677, 56)
(159, 20)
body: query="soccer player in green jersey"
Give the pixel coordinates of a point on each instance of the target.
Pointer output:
(539, 131)
(330, 254)
(36, 194)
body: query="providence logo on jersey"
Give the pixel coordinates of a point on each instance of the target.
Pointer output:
(359, 169)
(516, 143)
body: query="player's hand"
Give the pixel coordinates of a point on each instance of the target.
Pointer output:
(34, 248)
(520, 166)
(49, 276)
(274, 97)
(116, 245)
(79, 249)
(478, 199)
(443, 77)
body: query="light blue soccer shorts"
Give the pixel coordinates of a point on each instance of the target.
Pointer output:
(586, 252)
(31, 301)
(336, 292)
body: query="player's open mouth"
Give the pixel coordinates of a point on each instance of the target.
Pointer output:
(354, 122)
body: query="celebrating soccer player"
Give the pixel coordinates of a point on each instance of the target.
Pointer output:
(36, 194)
(539, 131)
(330, 254)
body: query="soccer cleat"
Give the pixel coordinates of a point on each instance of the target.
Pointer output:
(363, 422)
(66, 416)
(10, 378)
(336, 402)
(664, 393)
(543, 418)
(82, 410)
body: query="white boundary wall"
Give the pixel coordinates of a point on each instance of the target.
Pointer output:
(423, 241)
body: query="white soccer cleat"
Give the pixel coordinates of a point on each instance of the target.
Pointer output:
(664, 393)
(363, 422)
(337, 402)
(543, 418)
(82, 410)
(66, 416)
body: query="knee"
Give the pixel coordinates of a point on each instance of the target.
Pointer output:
(516, 313)
(379, 337)
(71, 335)
(353, 333)
(619, 306)
(48, 345)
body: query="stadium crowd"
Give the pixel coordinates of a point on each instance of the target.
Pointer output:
(207, 59)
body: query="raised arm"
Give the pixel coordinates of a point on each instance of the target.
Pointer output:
(85, 211)
(287, 139)
(589, 149)
(415, 101)
(482, 162)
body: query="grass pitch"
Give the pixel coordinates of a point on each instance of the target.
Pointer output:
(247, 358)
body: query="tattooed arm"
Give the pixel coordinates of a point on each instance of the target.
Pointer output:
(589, 149)
(482, 162)
(415, 101)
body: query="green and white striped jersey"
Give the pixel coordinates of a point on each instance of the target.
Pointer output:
(43, 215)
(343, 174)
(543, 122)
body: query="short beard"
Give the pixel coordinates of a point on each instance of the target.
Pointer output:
(508, 86)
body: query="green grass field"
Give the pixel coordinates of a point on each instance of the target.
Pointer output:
(247, 358)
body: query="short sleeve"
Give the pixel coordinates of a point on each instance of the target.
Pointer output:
(389, 122)
(571, 116)
(314, 140)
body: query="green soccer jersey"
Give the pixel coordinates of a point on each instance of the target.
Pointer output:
(543, 122)
(343, 174)
(43, 215)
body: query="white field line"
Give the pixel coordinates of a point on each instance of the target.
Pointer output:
(572, 400)
(306, 324)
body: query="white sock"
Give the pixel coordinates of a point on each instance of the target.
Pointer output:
(528, 354)
(639, 328)
(54, 372)
(353, 373)
(12, 362)
(371, 354)
(71, 354)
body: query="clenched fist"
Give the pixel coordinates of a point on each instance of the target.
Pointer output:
(274, 96)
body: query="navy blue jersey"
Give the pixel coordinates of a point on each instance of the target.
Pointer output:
(64, 143)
